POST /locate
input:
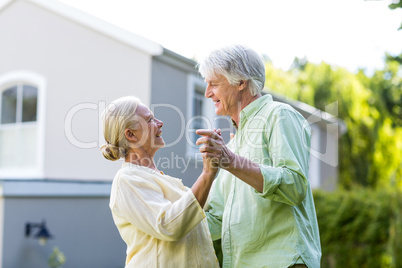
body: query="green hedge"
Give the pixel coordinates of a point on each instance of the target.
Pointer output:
(360, 228)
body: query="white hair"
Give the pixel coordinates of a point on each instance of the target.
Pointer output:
(236, 63)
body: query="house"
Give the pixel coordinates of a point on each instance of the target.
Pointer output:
(59, 69)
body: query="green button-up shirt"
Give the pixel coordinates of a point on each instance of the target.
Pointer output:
(278, 227)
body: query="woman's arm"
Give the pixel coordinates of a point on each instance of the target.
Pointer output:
(203, 184)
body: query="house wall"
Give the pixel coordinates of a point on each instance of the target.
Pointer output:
(324, 155)
(169, 101)
(329, 160)
(84, 71)
(77, 216)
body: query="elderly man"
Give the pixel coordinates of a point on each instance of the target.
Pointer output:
(261, 204)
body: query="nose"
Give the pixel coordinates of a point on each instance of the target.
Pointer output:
(159, 123)
(208, 92)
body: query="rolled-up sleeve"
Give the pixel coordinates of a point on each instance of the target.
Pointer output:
(288, 143)
(144, 205)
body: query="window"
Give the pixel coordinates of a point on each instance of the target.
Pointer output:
(20, 135)
(19, 104)
(201, 114)
(198, 120)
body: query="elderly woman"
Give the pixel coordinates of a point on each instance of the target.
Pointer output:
(160, 219)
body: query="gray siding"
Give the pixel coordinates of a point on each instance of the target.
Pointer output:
(81, 67)
(170, 86)
(76, 214)
(329, 171)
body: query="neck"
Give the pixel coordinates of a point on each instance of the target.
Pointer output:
(140, 158)
(245, 100)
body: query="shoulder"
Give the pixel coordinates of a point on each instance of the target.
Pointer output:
(283, 109)
(272, 108)
(130, 175)
(277, 107)
(283, 113)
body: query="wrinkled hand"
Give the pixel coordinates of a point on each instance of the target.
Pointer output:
(213, 148)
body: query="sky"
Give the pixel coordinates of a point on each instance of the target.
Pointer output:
(346, 33)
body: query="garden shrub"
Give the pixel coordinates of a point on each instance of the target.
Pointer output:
(360, 228)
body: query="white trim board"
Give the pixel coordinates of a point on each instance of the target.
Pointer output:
(54, 188)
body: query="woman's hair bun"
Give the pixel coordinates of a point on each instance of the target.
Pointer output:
(113, 152)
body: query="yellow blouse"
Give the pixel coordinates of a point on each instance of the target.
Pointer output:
(160, 220)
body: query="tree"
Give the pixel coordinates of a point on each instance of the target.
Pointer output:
(369, 152)
(395, 6)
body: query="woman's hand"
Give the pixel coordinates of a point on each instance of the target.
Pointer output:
(214, 148)
(210, 164)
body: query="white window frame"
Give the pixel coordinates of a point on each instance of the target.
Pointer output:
(34, 79)
(196, 83)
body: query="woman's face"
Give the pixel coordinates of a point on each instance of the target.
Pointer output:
(149, 132)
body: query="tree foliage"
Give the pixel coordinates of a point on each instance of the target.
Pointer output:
(370, 151)
(395, 6)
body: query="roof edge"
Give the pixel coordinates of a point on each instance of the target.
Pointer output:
(314, 114)
(99, 25)
(177, 61)
(4, 3)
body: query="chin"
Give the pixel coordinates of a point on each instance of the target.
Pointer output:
(160, 144)
(221, 113)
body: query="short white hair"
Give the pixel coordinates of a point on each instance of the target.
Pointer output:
(236, 63)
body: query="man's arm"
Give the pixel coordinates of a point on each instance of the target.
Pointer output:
(285, 179)
(243, 168)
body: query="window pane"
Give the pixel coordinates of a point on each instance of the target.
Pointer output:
(9, 145)
(29, 103)
(197, 103)
(9, 105)
(198, 120)
(18, 147)
(26, 156)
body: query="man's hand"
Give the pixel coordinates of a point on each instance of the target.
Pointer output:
(214, 148)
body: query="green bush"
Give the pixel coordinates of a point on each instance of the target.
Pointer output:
(360, 228)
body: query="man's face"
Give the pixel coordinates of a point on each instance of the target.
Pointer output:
(225, 96)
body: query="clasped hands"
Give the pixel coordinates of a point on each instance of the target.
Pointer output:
(213, 149)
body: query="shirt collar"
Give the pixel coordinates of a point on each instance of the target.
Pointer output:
(251, 109)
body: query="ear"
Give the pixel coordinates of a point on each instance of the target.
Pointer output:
(129, 133)
(243, 84)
